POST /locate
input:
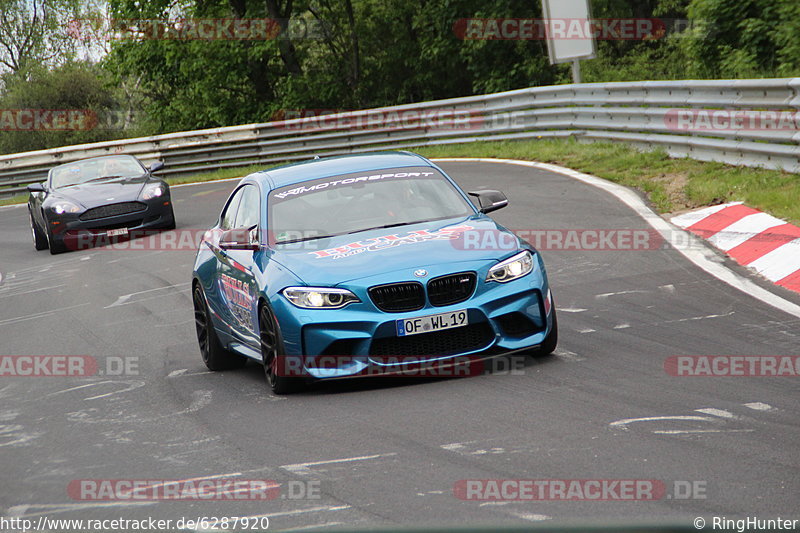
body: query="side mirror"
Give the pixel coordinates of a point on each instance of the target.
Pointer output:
(490, 200)
(240, 239)
(36, 187)
(155, 167)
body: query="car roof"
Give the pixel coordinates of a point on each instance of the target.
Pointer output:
(335, 166)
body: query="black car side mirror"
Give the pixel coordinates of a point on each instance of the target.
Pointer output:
(490, 200)
(240, 239)
(35, 187)
(155, 167)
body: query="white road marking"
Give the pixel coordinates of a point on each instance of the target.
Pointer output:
(607, 294)
(716, 412)
(670, 289)
(123, 300)
(314, 526)
(697, 318)
(566, 355)
(132, 385)
(326, 508)
(624, 325)
(686, 243)
(690, 431)
(758, 406)
(183, 481)
(175, 373)
(34, 316)
(571, 309)
(533, 517)
(586, 330)
(56, 508)
(623, 424)
(303, 468)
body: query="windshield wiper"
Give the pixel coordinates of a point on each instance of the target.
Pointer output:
(394, 225)
(99, 179)
(303, 239)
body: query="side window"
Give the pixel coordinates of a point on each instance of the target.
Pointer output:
(229, 215)
(249, 212)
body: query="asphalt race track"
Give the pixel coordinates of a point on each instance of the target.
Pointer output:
(391, 451)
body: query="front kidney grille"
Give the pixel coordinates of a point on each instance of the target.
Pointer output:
(113, 210)
(451, 289)
(398, 297)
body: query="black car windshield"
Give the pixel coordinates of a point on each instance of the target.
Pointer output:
(352, 203)
(95, 169)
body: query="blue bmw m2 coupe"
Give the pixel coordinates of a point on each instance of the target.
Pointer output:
(373, 264)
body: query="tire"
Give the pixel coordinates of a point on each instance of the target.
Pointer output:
(39, 238)
(214, 355)
(551, 341)
(55, 244)
(272, 351)
(171, 224)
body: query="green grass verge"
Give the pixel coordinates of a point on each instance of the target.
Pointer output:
(670, 184)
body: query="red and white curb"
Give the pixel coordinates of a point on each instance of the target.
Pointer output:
(766, 244)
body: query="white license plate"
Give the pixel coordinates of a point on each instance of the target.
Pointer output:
(117, 232)
(427, 324)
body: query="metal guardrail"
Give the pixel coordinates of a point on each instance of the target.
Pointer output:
(740, 122)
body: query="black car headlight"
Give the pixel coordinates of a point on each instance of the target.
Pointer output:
(153, 191)
(512, 268)
(64, 206)
(319, 297)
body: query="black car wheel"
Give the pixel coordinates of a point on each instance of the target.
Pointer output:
(39, 238)
(271, 354)
(551, 341)
(214, 355)
(56, 244)
(171, 224)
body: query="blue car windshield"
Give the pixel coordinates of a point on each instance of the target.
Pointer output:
(353, 203)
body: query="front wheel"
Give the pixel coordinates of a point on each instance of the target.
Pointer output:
(214, 355)
(55, 243)
(551, 341)
(272, 355)
(39, 238)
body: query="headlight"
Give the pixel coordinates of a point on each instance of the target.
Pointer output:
(63, 206)
(512, 268)
(153, 191)
(319, 297)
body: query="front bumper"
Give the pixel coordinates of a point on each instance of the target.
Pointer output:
(360, 340)
(79, 234)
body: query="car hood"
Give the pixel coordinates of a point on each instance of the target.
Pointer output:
(335, 260)
(99, 193)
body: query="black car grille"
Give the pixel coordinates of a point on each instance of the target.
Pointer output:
(113, 210)
(437, 343)
(398, 297)
(451, 289)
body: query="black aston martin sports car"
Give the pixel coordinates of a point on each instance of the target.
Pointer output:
(88, 202)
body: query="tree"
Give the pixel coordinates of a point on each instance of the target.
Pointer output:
(34, 32)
